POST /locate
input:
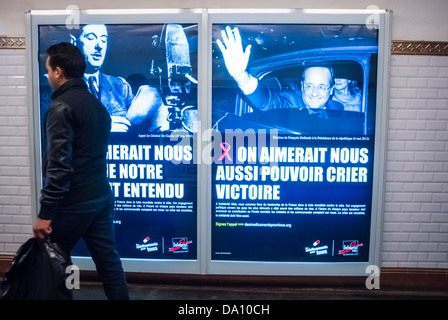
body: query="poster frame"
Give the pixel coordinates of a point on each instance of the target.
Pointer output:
(205, 18)
(381, 19)
(72, 18)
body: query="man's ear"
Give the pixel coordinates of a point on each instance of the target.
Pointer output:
(73, 40)
(59, 72)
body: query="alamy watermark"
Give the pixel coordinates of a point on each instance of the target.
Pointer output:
(373, 280)
(72, 281)
(231, 146)
(72, 21)
(373, 20)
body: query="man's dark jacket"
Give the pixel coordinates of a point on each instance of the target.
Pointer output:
(77, 128)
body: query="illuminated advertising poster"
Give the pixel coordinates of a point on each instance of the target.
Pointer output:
(293, 108)
(146, 77)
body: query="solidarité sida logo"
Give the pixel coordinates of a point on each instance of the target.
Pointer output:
(350, 247)
(180, 245)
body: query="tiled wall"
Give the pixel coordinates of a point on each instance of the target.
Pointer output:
(15, 208)
(415, 231)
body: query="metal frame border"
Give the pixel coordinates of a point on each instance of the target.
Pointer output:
(118, 16)
(322, 17)
(205, 18)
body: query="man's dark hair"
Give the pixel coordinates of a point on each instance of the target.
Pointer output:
(67, 57)
(320, 66)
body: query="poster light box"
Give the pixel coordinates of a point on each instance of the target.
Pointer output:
(242, 141)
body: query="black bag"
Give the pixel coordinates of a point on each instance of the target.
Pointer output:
(37, 273)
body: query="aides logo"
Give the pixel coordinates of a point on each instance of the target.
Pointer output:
(180, 245)
(317, 249)
(350, 247)
(147, 246)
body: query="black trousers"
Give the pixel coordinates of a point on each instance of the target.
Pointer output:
(93, 222)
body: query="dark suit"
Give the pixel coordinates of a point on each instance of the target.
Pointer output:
(266, 99)
(286, 110)
(115, 94)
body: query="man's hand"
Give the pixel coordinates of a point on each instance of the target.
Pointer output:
(145, 105)
(232, 50)
(236, 59)
(42, 228)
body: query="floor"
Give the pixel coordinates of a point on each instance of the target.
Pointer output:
(94, 291)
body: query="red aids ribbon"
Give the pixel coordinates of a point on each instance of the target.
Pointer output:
(226, 148)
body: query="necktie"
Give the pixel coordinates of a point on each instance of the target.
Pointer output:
(93, 86)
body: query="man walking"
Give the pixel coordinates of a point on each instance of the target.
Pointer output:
(76, 200)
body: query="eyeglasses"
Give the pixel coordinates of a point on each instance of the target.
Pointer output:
(320, 88)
